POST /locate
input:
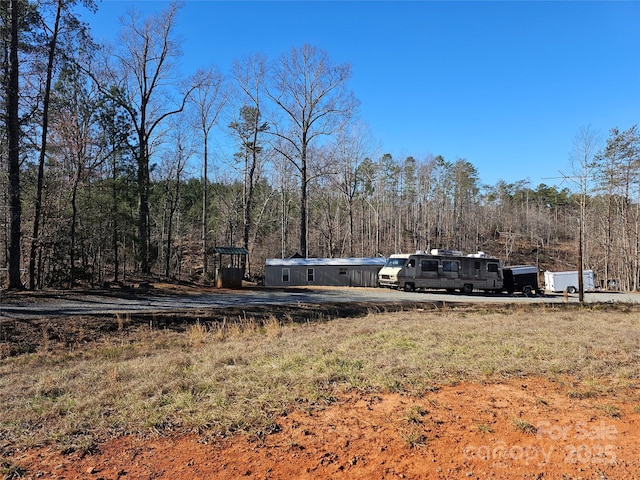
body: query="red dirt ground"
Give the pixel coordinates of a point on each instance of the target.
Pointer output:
(528, 428)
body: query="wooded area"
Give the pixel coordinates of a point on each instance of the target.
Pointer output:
(107, 168)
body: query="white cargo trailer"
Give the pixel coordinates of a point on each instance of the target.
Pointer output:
(561, 281)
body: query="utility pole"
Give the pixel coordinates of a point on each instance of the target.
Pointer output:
(581, 219)
(580, 262)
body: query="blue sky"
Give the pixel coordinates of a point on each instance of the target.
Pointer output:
(505, 85)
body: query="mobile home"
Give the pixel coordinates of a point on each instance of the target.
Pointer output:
(561, 281)
(337, 272)
(442, 269)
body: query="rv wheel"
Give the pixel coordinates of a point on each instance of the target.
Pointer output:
(467, 288)
(571, 289)
(527, 290)
(408, 287)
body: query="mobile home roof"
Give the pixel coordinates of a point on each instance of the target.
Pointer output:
(314, 262)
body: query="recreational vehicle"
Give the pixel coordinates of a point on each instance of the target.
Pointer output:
(442, 269)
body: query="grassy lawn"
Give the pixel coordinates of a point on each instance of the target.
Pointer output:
(240, 376)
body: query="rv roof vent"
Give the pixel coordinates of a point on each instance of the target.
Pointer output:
(446, 251)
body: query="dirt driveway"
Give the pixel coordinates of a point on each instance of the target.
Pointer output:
(167, 298)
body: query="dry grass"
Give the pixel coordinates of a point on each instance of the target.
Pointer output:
(239, 376)
(524, 426)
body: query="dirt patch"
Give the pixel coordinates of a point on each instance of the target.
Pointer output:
(521, 428)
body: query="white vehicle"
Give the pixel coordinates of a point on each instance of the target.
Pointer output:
(561, 281)
(388, 274)
(442, 269)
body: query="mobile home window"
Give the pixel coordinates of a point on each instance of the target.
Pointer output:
(285, 275)
(310, 274)
(492, 267)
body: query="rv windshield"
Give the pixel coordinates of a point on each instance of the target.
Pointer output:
(395, 262)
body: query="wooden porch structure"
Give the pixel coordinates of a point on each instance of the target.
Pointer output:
(230, 266)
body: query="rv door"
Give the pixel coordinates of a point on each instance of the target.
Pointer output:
(410, 268)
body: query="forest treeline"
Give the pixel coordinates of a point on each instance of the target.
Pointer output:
(111, 168)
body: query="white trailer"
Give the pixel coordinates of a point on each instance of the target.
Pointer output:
(561, 281)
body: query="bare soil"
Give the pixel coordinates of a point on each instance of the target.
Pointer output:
(528, 428)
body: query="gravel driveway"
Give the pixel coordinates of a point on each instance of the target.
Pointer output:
(36, 305)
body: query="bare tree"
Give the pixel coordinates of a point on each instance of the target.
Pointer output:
(283, 179)
(75, 136)
(618, 175)
(13, 133)
(349, 151)
(116, 128)
(312, 94)
(43, 145)
(465, 194)
(583, 163)
(172, 169)
(248, 129)
(62, 20)
(249, 76)
(146, 87)
(208, 98)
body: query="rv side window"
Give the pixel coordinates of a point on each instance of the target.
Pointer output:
(449, 266)
(285, 275)
(411, 263)
(429, 265)
(310, 274)
(342, 271)
(492, 267)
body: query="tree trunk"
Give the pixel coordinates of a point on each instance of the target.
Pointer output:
(143, 205)
(114, 217)
(205, 207)
(74, 219)
(303, 200)
(167, 258)
(35, 242)
(248, 207)
(13, 132)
